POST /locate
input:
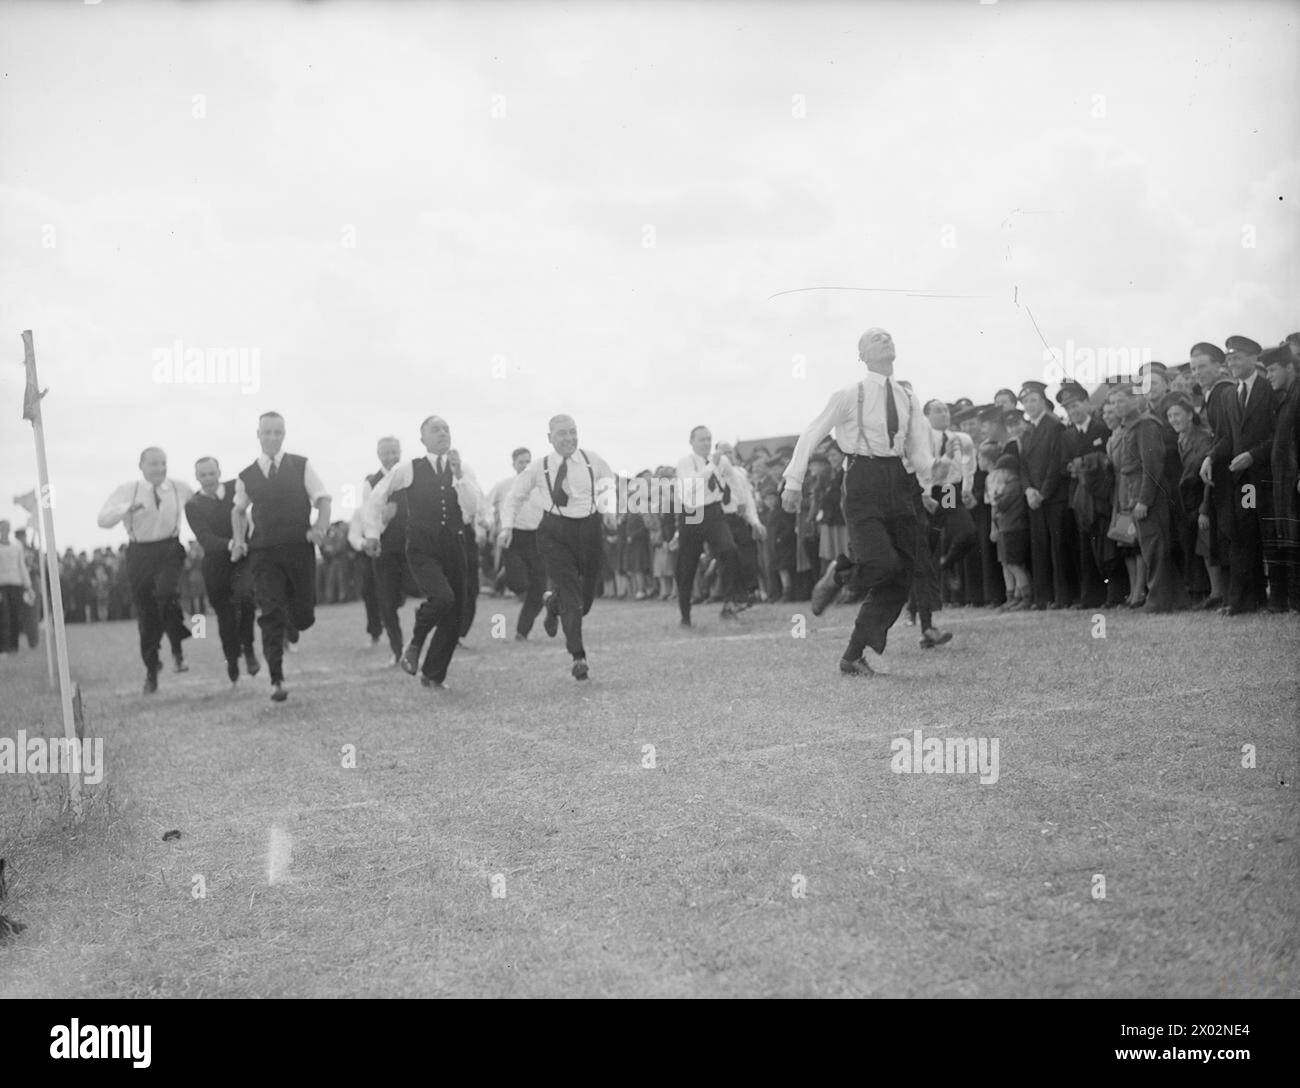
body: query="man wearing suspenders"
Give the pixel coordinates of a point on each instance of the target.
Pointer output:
(877, 423)
(707, 481)
(151, 510)
(569, 537)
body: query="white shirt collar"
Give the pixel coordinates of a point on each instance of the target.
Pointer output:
(264, 462)
(219, 494)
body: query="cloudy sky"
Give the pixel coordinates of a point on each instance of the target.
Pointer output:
(499, 211)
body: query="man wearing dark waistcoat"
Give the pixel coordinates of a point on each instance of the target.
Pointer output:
(281, 489)
(433, 491)
(574, 484)
(150, 508)
(229, 585)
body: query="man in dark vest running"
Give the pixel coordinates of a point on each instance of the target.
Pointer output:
(280, 490)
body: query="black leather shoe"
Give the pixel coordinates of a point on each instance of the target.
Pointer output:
(1211, 604)
(279, 693)
(251, 665)
(552, 621)
(520, 637)
(411, 660)
(728, 612)
(179, 663)
(150, 681)
(430, 682)
(232, 670)
(580, 669)
(824, 591)
(856, 668)
(933, 637)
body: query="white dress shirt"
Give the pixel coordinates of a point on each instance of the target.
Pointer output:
(13, 566)
(589, 483)
(742, 497)
(699, 471)
(160, 517)
(310, 481)
(530, 513)
(356, 531)
(401, 477)
(960, 450)
(911, 441)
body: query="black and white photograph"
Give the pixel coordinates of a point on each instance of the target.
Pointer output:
(651, 500)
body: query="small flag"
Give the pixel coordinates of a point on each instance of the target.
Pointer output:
(32, 396)
(27, 502)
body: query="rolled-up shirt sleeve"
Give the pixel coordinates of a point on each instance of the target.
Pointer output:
(315, 489)
(818, 429)
(372, 511)
(469, 494)
(518, 494)
(115, 509)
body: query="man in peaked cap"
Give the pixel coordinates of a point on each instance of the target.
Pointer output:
(1083, 450)
(1005, 399)
(1215, 518)
(1043, 474)
(1250, 471)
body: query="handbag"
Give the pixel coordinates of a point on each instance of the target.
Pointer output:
(1123, 529)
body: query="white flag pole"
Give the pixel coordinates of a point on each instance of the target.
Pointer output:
(32, 411)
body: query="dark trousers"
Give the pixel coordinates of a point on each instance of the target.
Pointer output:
(742, 535)
(471, 581)
(1086, 544)
(11, 618)
(1047, 553)
(437, 564)
(1166, 590)
(995, 589)
(526, 575)
(390, 575)
(571, 549)
(925, 594)
(1246, 580)
(154, 571)
(370, 598)
(691, 538)
(230, 589)
(284, 584)
(880, 499)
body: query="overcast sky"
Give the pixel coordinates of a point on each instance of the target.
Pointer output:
(496, 212)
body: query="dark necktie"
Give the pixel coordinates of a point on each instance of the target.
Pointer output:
(157, 499)
(557, 490)
(891, 413)
(271, 474)
(715, 484)
(439, 464)
(1241, 394)
(943, 446)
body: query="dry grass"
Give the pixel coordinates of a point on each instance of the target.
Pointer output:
(1119, 756)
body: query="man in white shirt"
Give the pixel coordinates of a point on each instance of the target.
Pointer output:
(575, 486)
(381, 617)
(525, 572)
(15, 589)
(706, 487)
(742, 517)
(877, 422)
(151, 509)
(435, 491)
(229, 585)
(280, 489)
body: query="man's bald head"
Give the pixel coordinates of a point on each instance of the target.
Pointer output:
(876, 349)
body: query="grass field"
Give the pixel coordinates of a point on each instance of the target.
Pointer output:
(1119, 756)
